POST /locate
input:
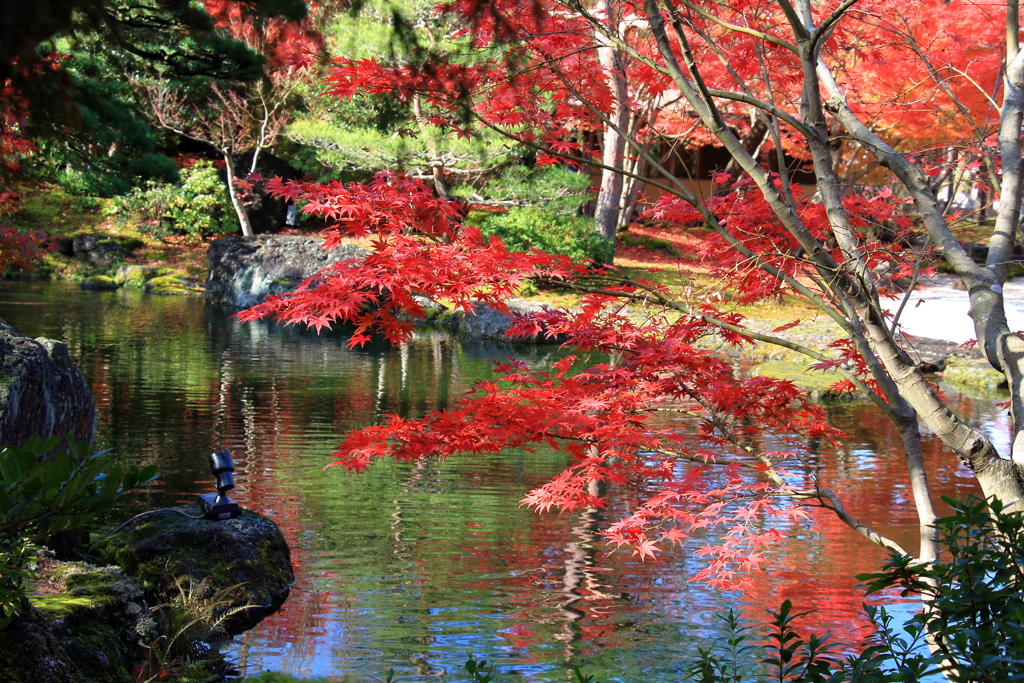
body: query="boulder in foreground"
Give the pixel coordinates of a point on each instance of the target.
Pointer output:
(166, 550)
(41, 392)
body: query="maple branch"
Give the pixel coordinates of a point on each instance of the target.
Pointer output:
(689, 457)
(767, 37)
(584, 161)
(1012, 29)
(774, 128)
(910, 288)
(697, 96)
(825, 26)
(795, 22)
(912, 177)
(770, 121)
(761, 104)
(782, 206)
(810, 353)
(731, 437)
(908, 36)
(830, 501)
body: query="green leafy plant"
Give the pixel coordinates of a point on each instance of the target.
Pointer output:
(198, 207)
(193, 623)
(42, 492)
(974, 602)
(482, 672)
(528, 228)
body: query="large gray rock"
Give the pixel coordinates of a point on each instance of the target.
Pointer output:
(40, 391)
(98, 250)
(247, 556)
(243, 271)
(486, 322)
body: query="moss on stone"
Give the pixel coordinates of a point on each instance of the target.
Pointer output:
(975, 374)
(100, 283)
(134, 276)
(88, 630)
(169, 284)
(166, 549)
(815, 382)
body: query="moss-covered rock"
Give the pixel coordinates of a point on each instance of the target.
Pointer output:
(170, 284)
(974, 374)
(100, 283)
(31, 653)
(165, 550)
(134, 276)
(83, 625)
(815, 382)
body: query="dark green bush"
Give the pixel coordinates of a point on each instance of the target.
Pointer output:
(158, 167)
(522, 229)
(91, 182)
(42, 494)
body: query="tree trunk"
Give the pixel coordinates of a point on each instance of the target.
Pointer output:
(436, 168)
(751, 141)
(613, 145)
(236, 201)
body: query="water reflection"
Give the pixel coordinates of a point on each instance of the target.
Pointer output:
(411, 565)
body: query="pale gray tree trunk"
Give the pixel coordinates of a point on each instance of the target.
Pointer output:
(236, 201)
(609, 197)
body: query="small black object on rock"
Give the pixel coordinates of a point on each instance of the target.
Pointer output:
(218, 505)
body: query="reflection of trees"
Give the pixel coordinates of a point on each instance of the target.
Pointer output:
(584, 582)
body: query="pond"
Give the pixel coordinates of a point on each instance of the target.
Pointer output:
(410, 566)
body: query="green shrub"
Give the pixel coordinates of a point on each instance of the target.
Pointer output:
(91, 182)
(158, 167)
(41, 495)
(529, 228)
(199, 206)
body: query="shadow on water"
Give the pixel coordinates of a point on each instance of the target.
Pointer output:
(411, 565)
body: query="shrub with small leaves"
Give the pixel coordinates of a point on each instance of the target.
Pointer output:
(198, 207)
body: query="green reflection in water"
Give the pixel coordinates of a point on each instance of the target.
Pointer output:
(411, 565)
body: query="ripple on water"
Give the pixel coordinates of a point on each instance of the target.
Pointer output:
(411, 566)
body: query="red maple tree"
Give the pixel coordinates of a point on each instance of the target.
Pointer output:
(16, 249)
(921, 98)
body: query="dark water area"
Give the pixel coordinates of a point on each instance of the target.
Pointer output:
(410, 566)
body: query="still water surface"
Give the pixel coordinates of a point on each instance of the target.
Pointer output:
(411, 566)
